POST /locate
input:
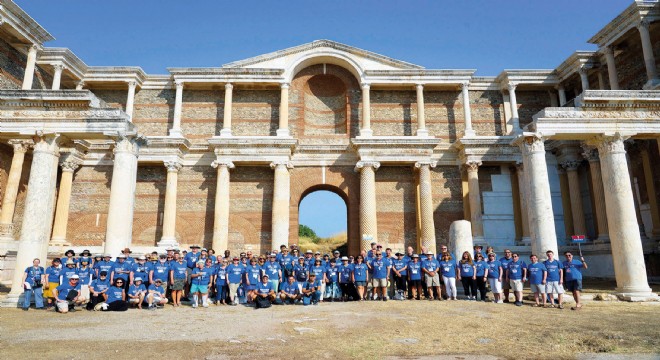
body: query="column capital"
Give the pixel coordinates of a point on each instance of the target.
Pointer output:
(70, 165)
(58, 67)
(229, 86)
(431, 164)
(532, 144)
(419, 86)
(286, 163)
(590, 153)
(511, 86)
(223, 163)
(559, 87)
(173, 165)
(520, 166)
(285, 85)
(47, 143)
(80, 84)
(607, 50)
(127, 143)
(582, 70)
(132, 84)
(472, 165)
(365, 86)
(643, 25)
(32, 47)
(178, 84)
(21, 146)
(609, 144)
(366, 163)
(465, 85)
(570, 165)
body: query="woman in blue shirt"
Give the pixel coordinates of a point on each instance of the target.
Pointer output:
(221, 283)
(300, 271)
(481, 270)
(116, 297)
(415, 277)
(467, 276)
(494, 274)
(359, 276)
(448, 271)
(253, 274)
(52, 282)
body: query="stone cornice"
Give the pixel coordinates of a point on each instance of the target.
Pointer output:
(65, 57)
(21, 99)
(487, 149)
(395, 149)
(628, 19)
(530, 77)
(620, 99)
(579, 59)
(418, 76)
(163, 148)
(253, 149)
(114, 74)
(22, 25)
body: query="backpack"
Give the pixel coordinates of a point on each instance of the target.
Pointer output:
(262, 303)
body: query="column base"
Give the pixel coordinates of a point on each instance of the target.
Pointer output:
(12, 300)
(283, 133)
(176, 133)
(470, 133)
(641, 295)
(653, 84)
(422, 132)
(366, 132)
(7, 244)
(168, 242)
(225, 133)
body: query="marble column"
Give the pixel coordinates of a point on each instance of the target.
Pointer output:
(169, 214)
(591, 154)
(368, 210)
(80, 85)
(647, 49)
(365, 130)
(650, 189)
(579, 225)
(421, 116)
(611, 67)
(474, 196)
(11, 192)
(39, 203)
(626, 244)
(584, 78)
(427, 228)
(281, 200)
(69, 166)
(175, 131)
(541, 216)
(29, 67)
(119, 229)
(283, 128)
(553, 99)
(515, 120)
(57, 76)
(226, 118)
(562, 95)
(469, 132)
(130, 98)
(524, 212)
(221, 215)
(601, 80)
(565, 201)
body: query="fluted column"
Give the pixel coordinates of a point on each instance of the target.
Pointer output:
(565, 201)
(591, 154)
(650, 189)
(368, 210)
(611, 68)
(130, 98)
(541, 216)
(29, 67)
(226, 118)
(221, 216)
(119, 229)
(39, 203)
(524, 211)
(571, 167)
(69, 166)
(515, 120)
(427, 228)
(584, 78)
(647, 49)
(421, 116)
(283, 129)
(466, 109)
(562, 95)
(57, 76)
(626, 243)
(281, 199)
(175, 131)
(11, 191)
(474, 196)
(169, 215)
(365, 130)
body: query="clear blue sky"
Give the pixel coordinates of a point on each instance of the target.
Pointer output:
(485, 35)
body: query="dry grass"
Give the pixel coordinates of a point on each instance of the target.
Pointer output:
(325, 245)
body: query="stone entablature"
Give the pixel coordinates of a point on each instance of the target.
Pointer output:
(22, 25)
(639, 10)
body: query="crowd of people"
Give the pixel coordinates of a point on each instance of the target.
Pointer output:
(285, 276)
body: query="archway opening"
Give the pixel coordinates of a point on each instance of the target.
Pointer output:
(323, 221)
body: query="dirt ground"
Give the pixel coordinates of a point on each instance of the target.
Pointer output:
(370, 330)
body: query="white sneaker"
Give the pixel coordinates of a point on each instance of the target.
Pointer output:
(194, 306)
(205, 304)
(500, 302)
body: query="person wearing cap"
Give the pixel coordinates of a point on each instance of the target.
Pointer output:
(106, 264)
(517, 275)
(371, 254)
(309, 258)
(98, 290)
(161, 270)
(274, 271)
(400, 274)
(332, 291)
(33, 279)
(301, 271)
(84, 271)
(344, 270)
(478, 249)
(52, 282)
(121, 270)
(68, 271)
(380, 269)
(140, 269)
(337, 256)
(290, 290)
(191, 259)
(136, 292)
(263, 292)
(127, 252)
(68, 295)
(235, 273)
(252, 278)
(178, 275)
(221, 282)
(156, 295)
(494, 275)
(414, 269)
(203, 255)
(430, 269)
(200, 284)
(359, 276)
(311, 292)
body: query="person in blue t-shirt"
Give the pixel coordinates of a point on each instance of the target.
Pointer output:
(573, 277)
(68, 295)
(380, 269)
(121, 270)
(332, 282)
(156, 295)
(253, 274)
(290, 290)
(98, 290)
(481, 272)
(400, 274)
(359, 276)
(415, 277)
(494, 275)
(68, 271)
(235, 272)
(345, 285)
(274, 271)
(555, 280)
(160, 270)
(537, 274)
(264, 290)
(116, 300)
(467, 275)
(140, 269)
(178, 275)
(506, 284)
(200, 284)
(311, 291)
(137, 292)
(286, 263)
(430, 268)
(517, 275)
(34, 278)
(85, 271)
(221, 282)
(301, 271)
(448, 271)
(52, 282)
(105, 265)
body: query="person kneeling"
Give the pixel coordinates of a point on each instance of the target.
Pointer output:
(116, 298)
(310, 291)
(264, 295)
(136, 293)
(68, 295)
(290, 291)
(156, 295)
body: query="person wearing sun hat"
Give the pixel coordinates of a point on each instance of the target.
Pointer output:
(68, 295)
(136, 292)
(156, 295)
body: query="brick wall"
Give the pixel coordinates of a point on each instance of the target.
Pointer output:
(90, 197)
(447, 200)
(530, 103)
(12, 69)
(397, 207)
(6, 154)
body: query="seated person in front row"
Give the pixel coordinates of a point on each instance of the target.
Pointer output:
(156, 295)
(290, 290)
(137, 293)
(311, 292)
(264, 290)
(68, 295)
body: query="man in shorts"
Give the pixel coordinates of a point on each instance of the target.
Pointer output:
(572, 269)
(178, 275)
(290, 290)
(156, 295)
(430, 269)
(68, 295)
(537, 278)
(136, 293)
(555, 279)
(506, 285)
(517, 275)
(380, 268)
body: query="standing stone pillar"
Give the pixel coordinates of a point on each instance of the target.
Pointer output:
(226, 118)
(169, 217)
(460, 238)
(29, 67)
(591, 154)
(571, 167)
(39, 203)
(368, 210)
(584, 78)
(130, 99)
(601, 80)
(524, 210)
(11, 192)
(283, 129)
(469, 132)
(281, 200)
(565, 201)
(562, 95)
(553, 99)
(647, 49)
(626, 243)
(69, 166)
(80, 85)
(57, 76)
(515, 120)
(365, 130)
(427, 228)
(650, 189)
(541, 216)
(175, 131)
(474, 195)
(119, 229)
(611, 67)
(421, 116)
(221, 218)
